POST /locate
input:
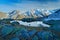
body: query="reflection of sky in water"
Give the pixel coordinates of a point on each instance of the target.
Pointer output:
(8, 5)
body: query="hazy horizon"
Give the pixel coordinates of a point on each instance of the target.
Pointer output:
(24, 5)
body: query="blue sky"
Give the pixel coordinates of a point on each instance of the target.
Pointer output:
(24, 5)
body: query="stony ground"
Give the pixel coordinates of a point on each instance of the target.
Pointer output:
(15, 31)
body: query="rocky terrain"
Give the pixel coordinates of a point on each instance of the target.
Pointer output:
(36, 25)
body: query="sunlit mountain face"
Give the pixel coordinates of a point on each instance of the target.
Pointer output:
(24, 5)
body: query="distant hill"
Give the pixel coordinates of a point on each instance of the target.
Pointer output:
(3, 15)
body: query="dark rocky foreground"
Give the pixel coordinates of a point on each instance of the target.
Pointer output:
(14, 31)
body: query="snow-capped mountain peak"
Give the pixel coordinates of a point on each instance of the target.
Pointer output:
(30, 14)
(45, 12)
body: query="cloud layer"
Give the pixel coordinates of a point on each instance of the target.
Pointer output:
(9, 5)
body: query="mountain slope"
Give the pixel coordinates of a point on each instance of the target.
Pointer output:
(3, 15)
(54, 16)
(15, 15)
(29, 14)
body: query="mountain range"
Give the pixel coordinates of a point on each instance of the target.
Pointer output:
(29, 14)
(35, 13)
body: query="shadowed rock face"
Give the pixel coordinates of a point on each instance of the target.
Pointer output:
(54, 21)
(13, 32)
(33, 19)
(54, 16)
